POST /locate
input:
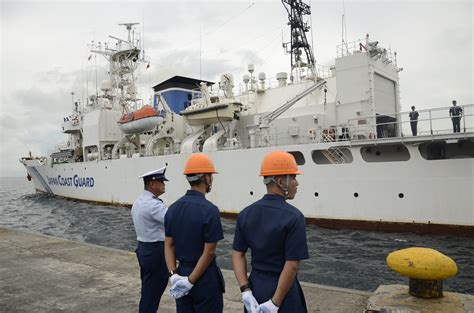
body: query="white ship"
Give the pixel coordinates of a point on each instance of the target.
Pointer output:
(343, 124)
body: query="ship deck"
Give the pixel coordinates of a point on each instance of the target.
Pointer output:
(449, 138)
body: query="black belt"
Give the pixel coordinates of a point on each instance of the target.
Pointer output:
(151, 243)
(193, 264)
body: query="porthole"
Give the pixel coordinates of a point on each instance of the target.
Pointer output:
(356, 194)
(251, 193)
(401, 195)
(316, 194)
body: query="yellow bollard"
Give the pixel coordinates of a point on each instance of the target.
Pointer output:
(426, 269)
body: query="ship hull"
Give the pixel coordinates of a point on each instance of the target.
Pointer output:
(400, 195)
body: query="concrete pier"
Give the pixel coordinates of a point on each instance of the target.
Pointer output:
(41, 273)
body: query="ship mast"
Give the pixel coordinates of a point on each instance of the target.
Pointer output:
(124, 59)
(299, 47)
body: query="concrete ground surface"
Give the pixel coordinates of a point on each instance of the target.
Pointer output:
(41, 273)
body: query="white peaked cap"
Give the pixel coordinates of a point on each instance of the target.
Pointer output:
(158, 174)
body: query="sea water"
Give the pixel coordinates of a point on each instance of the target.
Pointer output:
(341, 258)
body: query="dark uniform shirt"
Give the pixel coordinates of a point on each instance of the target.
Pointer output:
(413, 115)
(275, 232)
(192, 221)
(455, 110)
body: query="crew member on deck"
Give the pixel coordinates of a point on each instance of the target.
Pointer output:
(275, 232)
(193, 228)
(413, 120)
(148, 213)
(455, 113)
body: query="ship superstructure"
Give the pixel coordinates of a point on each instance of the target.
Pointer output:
(343, 124)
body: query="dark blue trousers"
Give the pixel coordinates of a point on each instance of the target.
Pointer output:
(206, 295)
(456, 124)
(264, 284)
(153, 273)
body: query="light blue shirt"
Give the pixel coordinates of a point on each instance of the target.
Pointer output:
(148, 213)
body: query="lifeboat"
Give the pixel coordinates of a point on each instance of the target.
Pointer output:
(140, 121)
(219, 110)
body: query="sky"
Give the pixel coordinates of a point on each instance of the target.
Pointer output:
(44, 52)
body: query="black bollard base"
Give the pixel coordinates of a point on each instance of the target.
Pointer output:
(429, 289)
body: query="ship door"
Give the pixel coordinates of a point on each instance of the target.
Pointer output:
(385, 106)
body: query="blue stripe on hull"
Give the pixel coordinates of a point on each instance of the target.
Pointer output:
(35, 173)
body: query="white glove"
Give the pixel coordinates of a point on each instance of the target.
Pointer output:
(181, 287)
(174, 278)
(267, 307)
(249, 301)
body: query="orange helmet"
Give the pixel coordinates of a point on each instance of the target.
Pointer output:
(199, 163)
(279, 163)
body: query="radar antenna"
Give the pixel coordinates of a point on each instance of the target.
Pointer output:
(299, 43)
(129, 27)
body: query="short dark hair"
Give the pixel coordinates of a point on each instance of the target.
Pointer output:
(412, 107)
(148, 180)
(454, 102)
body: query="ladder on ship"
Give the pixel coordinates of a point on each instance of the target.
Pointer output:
(334, 155)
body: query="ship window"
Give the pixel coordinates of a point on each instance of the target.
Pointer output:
(440, 150)
(385, 153)
(299, 157)
(332, 156)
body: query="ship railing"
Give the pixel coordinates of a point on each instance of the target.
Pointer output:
(364, 46)
(273, 83)
(431, 122)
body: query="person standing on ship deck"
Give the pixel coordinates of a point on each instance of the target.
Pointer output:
(148, 213)
(193, 228)
(455, 113)
(413, 120)
(275, 232)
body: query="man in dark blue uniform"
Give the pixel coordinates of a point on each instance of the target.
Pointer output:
(275, 232)
(193, 228)
(455, 113)
(413, 120)
(148, 213)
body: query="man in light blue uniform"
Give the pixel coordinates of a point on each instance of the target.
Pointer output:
(275, 232)
(193, 228)
(148, 213)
